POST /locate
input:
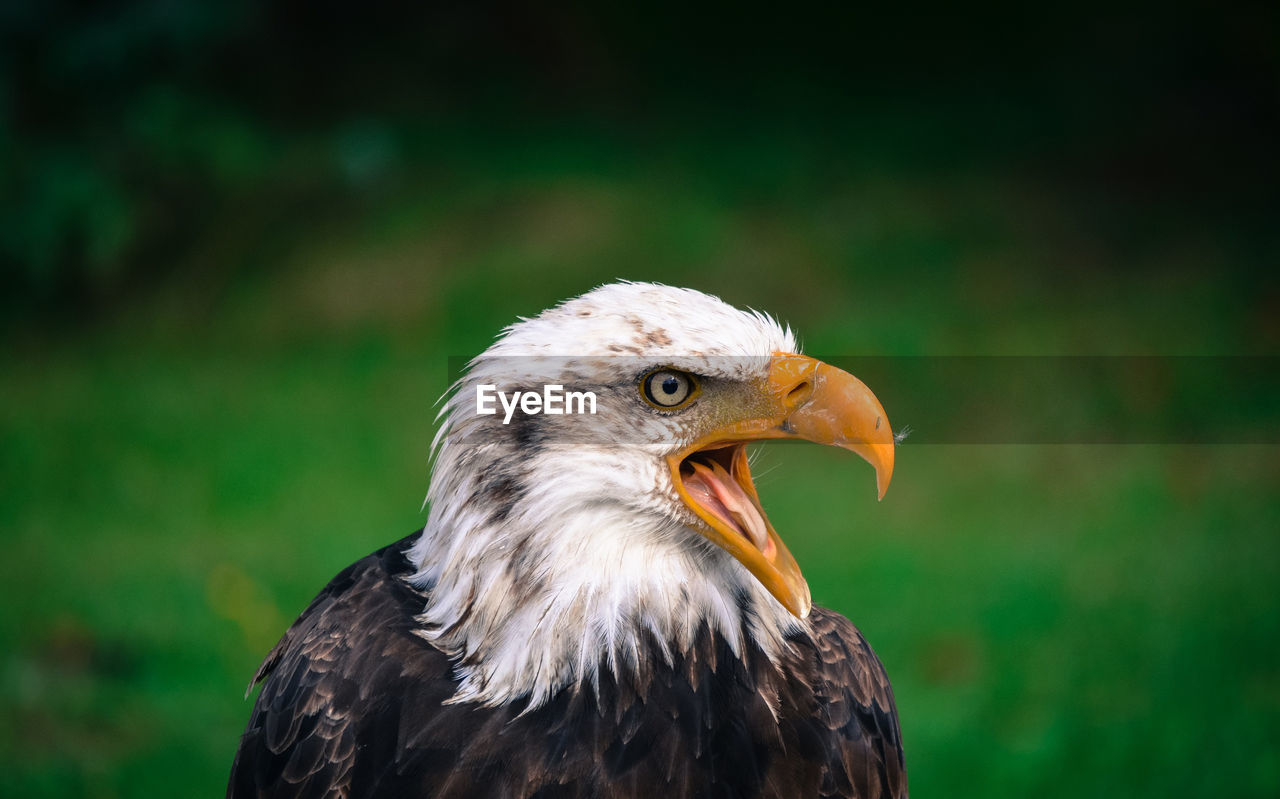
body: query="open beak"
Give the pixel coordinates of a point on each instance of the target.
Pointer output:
(801, 398)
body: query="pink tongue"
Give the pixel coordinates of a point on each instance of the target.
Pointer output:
(714, 489)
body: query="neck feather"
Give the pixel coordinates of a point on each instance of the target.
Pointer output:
(540, 598)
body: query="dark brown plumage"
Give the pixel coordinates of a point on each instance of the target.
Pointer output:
(353, 704)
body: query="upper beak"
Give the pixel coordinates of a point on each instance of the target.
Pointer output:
(826, 405)
(801, 398)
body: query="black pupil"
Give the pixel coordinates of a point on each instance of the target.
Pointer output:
(670, 386)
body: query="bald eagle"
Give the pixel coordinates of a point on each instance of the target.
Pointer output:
(598, 605)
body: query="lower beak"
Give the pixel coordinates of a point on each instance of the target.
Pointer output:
(802, 398)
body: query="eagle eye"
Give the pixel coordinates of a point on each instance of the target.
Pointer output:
(668, 389)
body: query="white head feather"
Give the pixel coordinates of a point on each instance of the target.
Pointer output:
(559, 543)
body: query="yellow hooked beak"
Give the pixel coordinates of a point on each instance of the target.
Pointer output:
(801, 398)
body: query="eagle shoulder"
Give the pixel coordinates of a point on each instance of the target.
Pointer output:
(856, 715)
(332, 688)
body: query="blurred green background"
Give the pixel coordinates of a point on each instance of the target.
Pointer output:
(240, 241)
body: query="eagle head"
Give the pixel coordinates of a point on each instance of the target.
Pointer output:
(567, 537)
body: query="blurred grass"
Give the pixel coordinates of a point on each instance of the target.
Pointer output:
(182, 474)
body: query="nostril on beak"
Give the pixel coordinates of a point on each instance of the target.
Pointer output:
(799, 393)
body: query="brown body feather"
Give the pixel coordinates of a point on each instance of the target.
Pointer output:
(353, 704)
